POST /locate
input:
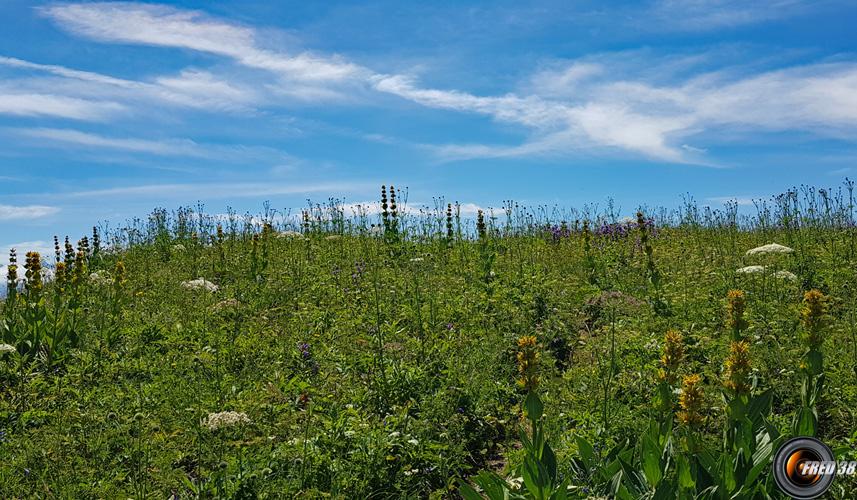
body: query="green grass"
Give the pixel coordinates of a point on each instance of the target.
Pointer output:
(408, 379)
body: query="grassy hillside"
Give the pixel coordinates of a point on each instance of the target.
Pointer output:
(383, 361)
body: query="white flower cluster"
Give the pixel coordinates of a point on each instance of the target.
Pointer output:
(223, 419)
(750, 270)
(769, 249)
(178, 247)
(100, 278)
(785, 275)
(4, 348)
(200, 284)
(289, 234)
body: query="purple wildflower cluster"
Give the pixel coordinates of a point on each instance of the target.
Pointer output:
(621, 230)
(558, 232)
(306, 357)
(359, 269)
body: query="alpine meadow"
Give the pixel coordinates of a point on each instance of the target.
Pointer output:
(386, 351)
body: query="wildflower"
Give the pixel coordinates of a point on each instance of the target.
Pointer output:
(79, 270)
(480, 224)
(226, 305)
(738, 368)
(119, 277)
(770, 248)
(672, 356)
(4, 348)
(100, 278)
(34, 273)
(332, 237)
(57, 253)
(289, 234)
(225, 419)
(735, 308)
(449, 233)
(691, 401)
(417, 259)
(751, 270)
(814, 317)
(60, 273)
(200, 284)
(785, 275)
(528, 363)
(12, 273)
(178, 247)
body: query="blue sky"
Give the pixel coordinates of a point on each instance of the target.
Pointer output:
(108, 110)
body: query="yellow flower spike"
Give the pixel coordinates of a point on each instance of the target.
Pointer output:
(673, 354)
(738, 368)
(691, 401)
(528, 362)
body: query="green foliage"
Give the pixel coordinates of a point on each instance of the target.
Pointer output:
(382, 363)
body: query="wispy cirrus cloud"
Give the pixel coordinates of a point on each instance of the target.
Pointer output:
(571, 110)
(219, 190)
(23, 103)
(24, 212)
(163, 147)
(192, 88)
(164, 26)
(587, 106)
(708, 15)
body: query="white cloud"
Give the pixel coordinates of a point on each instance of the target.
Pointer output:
(35, 104)
(164, 147)
(43, 247)
(219, 190)
(168, 27)
(707, 15)
(579, 107)
(11, 212)
(741, 201)
(576, 114)
(191, 87)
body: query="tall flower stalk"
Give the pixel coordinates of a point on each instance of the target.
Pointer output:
(815, 320)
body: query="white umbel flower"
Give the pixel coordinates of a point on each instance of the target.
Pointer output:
(100, 278)
(178, 247)
(750, 270)
(4, 348)
(769, 248)
(224, 419)
(289, 234)
(200, 284)
(785, 275)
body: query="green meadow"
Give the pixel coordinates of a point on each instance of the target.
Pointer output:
(519, 352)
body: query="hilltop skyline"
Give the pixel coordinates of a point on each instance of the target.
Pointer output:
(108, 110)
